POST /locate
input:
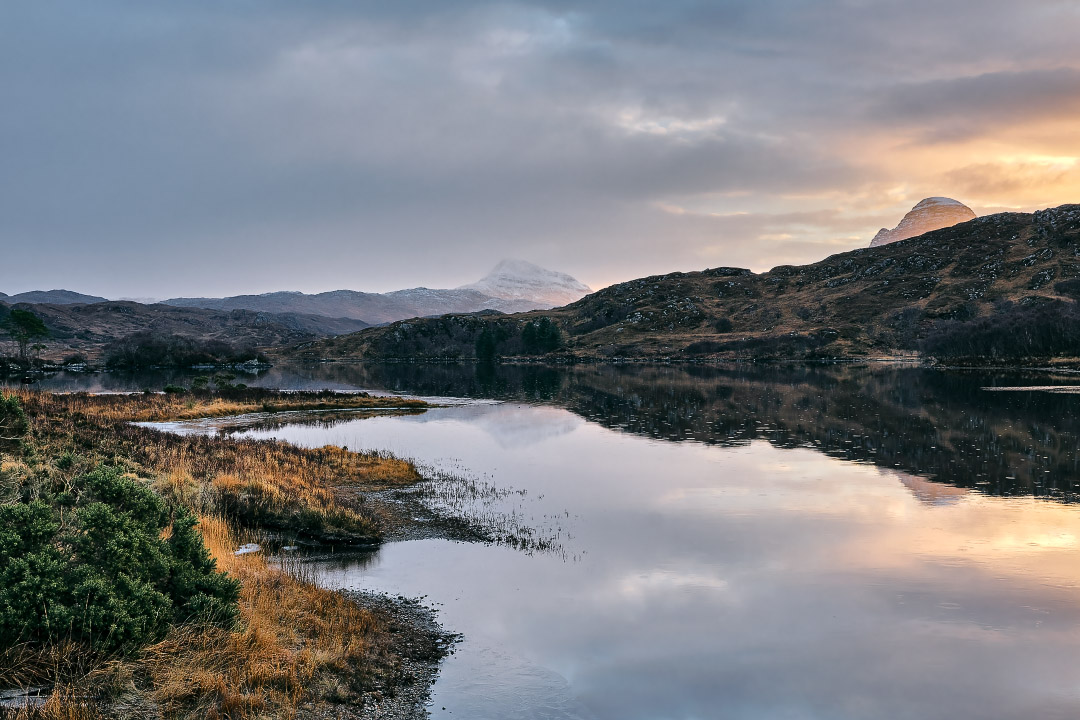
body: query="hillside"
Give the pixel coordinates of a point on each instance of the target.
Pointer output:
(1002, 287)
(54, 297)
(371, 308)
(88, 329)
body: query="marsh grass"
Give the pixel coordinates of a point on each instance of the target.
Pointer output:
(153, 407)
(295, 647)
(295, 643)
(495, 514)
(257, 483)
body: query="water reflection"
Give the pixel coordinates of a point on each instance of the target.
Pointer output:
(936, 426)
(733, 581)
(752, 543)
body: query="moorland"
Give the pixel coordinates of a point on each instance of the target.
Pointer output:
(124, 590)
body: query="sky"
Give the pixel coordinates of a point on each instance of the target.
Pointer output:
(218, 147)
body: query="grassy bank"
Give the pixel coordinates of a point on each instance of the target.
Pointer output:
(264, 484)
(288, 648)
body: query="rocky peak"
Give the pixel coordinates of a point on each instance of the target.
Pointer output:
(930, 214)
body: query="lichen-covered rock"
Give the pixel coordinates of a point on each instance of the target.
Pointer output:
(930, 214)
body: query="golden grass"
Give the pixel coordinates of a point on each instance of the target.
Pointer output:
(62, 704)
(163, 407)
(274, 485)
(258, 483)
(296, 643)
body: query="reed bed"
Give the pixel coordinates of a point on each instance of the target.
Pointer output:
(296, 649)
(158, 407)
(317, 492)
(296, 644)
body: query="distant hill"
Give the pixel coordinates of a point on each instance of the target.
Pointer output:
(1002, 288)
(54, 297)
(371, 308)
(87, 329)
(514, 286)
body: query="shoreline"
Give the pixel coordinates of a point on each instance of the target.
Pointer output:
(365, 499)
(1073, 367)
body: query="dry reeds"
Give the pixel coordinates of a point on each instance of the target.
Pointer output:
(257, 483)
(153, 407)
(295, 643)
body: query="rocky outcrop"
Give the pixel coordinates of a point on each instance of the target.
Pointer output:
(930, 214)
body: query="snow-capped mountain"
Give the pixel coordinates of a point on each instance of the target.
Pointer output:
(524, 281)
(513, 286)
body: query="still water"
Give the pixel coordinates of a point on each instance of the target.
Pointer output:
(774, 543)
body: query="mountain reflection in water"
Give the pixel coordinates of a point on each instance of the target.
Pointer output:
(812, 543)
(938, 425)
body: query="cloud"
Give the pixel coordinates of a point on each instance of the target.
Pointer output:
(154, 147)
(964, 107)
(1004, 179)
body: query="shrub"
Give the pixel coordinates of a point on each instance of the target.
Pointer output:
(1014, 331)
(13, 422)
(1069, 288)
(147, 349)
(111, 576)
(723, 325)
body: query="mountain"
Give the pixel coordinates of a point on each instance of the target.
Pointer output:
(514, 286)
(1002, 288)
(523, 281)
(372, 308)
(933, 213)
(88, 328)
(54, 297)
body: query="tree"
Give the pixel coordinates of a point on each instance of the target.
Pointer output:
(24, 326)
(13, 423)
(541, 336)
(485, 346)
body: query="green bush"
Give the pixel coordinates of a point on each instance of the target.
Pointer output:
(106, 576)
(13, 423)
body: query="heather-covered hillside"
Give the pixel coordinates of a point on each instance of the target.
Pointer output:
(1001, 288)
